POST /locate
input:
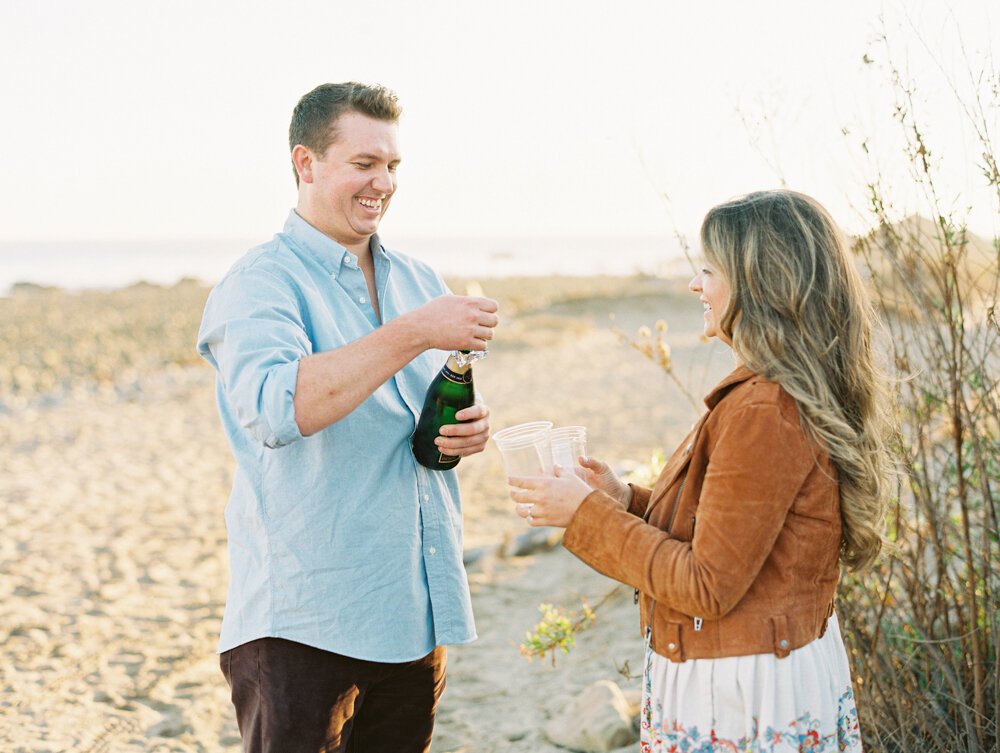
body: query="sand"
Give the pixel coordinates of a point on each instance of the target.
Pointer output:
(115, 475)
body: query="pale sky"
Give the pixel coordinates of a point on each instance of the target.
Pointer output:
(135, 120)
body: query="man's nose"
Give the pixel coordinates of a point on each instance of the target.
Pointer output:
(382, 181)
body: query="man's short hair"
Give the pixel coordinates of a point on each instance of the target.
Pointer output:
(314, 120)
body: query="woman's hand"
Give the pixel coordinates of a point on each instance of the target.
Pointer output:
(547, 500)
(600, 476)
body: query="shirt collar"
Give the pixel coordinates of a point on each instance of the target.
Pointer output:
(740, 374)
(327, 252)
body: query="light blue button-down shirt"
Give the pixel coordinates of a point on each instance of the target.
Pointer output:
(340, 540)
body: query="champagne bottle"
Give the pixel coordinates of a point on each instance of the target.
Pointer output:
(450, 391)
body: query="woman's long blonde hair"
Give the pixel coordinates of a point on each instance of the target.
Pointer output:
(798, 314)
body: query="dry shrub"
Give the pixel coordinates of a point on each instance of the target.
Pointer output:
(921, 628)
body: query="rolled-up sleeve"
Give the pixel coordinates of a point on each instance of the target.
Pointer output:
(252, 333)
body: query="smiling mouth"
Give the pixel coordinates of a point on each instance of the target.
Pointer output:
(375, 204)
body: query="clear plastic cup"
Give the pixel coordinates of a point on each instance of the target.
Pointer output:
(568, 443)
(525, 449)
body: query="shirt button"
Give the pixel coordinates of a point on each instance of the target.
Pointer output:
(361, 299)
(689, 448)
(427, 498)
(671, 647)
(783, 643)
(432, 550)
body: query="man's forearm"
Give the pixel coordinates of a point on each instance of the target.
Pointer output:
(330, 385)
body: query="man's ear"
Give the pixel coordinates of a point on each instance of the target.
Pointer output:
(303, 158)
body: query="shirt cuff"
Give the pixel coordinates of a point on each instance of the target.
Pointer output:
(278, 405)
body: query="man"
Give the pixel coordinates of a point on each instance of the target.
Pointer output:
(346, 555)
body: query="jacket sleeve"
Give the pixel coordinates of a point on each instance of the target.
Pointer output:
(640, 500)
(755, 471)
(253, 334)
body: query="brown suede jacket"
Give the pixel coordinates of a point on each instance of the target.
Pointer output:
(735, 548)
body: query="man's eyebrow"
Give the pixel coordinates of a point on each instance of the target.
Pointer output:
(374, 157)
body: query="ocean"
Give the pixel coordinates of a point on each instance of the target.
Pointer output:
(104, 265)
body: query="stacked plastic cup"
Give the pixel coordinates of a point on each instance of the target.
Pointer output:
(526, 449)
(568, 443)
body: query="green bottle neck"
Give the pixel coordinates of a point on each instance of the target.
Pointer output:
(453, 366)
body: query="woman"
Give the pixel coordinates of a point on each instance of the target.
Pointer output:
(735, 553)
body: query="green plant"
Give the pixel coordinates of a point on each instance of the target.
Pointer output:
(556, 631)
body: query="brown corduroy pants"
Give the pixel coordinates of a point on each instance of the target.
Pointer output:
(293, 698)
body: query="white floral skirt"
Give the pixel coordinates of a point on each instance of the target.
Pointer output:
(756, 703)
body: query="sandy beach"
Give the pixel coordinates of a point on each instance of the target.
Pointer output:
(116, 473)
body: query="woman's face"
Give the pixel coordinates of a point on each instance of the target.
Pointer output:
(713, 292)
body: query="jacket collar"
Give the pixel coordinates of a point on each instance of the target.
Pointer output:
(738, 376)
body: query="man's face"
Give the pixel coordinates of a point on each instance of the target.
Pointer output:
(345, 192)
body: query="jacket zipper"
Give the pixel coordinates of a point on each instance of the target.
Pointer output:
(670, 525)
(677, 504)
(697, 620)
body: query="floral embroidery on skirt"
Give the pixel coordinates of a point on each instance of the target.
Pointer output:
(752, 704)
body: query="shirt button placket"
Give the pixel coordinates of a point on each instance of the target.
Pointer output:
(428, 514)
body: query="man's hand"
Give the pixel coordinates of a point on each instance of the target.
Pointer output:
(455, 322)
(468, 438)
